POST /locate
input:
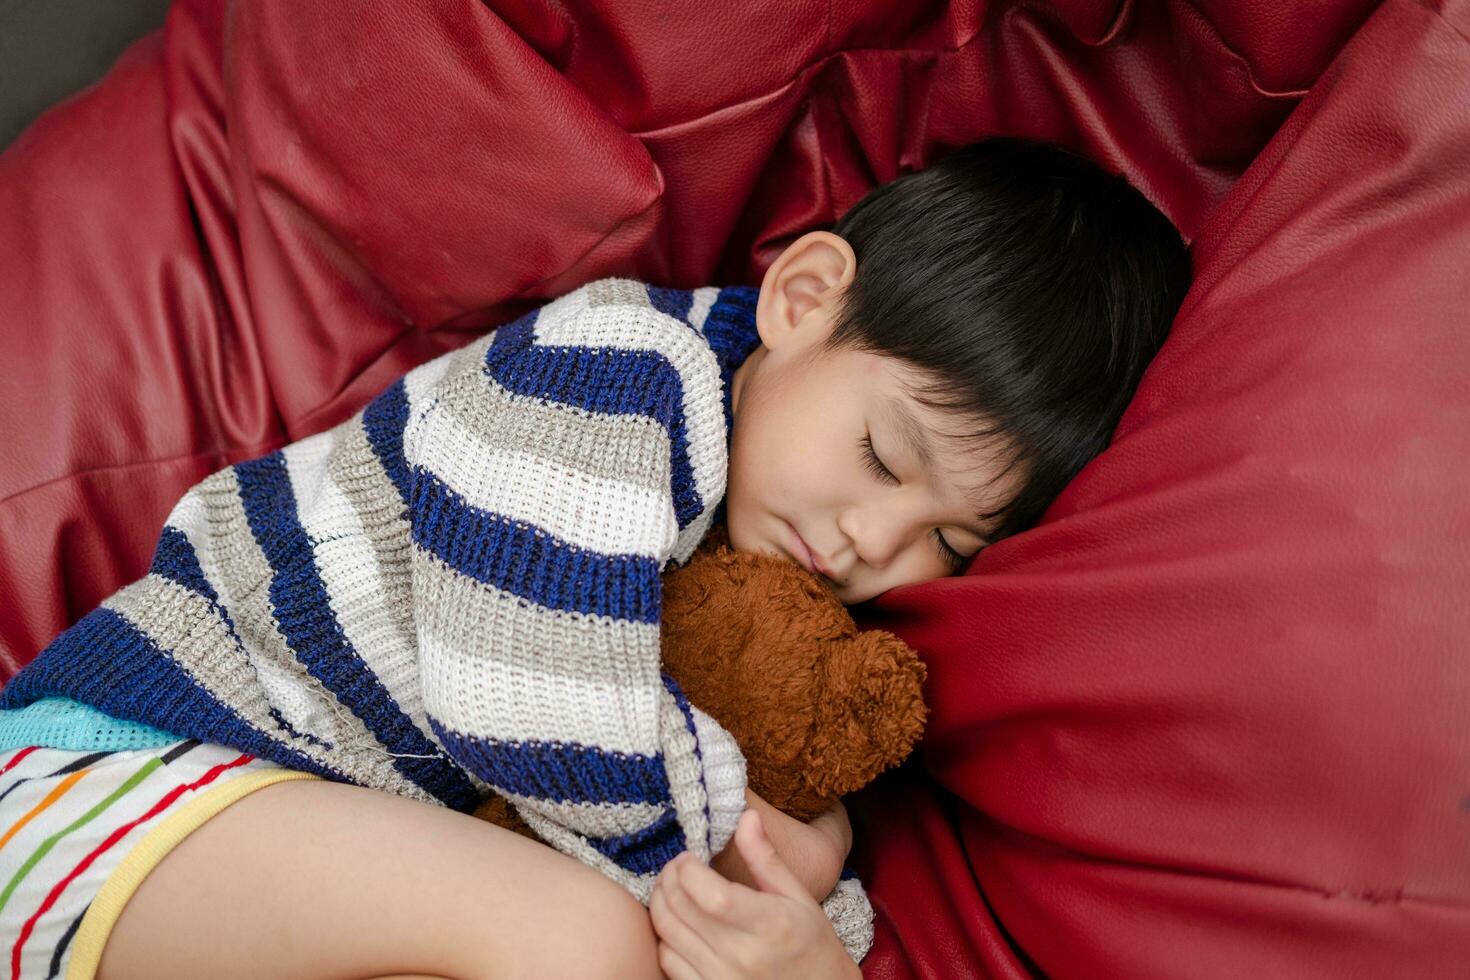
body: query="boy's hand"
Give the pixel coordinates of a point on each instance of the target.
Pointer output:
(814, 851)
(712, 929)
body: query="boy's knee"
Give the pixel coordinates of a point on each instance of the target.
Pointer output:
(592, 930)
(610, 936)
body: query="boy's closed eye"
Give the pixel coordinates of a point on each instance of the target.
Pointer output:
(952, 558)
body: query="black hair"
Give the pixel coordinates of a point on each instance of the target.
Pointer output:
(1029, 287)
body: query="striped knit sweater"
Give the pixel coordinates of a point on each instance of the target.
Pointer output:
(458, 588)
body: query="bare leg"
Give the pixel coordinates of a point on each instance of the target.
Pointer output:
(310, 879)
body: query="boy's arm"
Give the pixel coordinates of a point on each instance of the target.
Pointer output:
(814, 851)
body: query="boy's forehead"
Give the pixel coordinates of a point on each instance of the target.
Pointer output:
(888, 386)
(933, 432)
(936, 439)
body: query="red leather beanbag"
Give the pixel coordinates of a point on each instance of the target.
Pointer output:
(1208, 719)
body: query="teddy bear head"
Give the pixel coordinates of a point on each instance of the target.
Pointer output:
(818, 707)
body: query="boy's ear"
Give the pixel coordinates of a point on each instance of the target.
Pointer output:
(805, 279)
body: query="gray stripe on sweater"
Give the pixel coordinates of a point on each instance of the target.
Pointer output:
(618, 292)
(552, 642)
(686, 784)
(469, 359)
(182, 622)
(355, 469)
(602, 819)
(630, 448)
(851, 914)
(243, 585)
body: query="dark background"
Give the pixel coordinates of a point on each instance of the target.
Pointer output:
(51, 48)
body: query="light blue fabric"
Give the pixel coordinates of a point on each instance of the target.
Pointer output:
(61, 723)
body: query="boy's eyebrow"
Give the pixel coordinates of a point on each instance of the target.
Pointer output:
(911, 432)
(916, 438)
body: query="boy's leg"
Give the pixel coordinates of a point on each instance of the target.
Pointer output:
(313, 879)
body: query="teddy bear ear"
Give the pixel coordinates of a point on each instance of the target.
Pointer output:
(870, 714)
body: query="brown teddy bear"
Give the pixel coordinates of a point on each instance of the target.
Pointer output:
(758, 643)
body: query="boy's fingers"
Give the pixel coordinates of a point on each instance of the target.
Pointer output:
(674, 966)
(718, 909)
(766, 866)
(676, 932)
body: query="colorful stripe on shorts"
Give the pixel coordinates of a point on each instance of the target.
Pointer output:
(70, 809)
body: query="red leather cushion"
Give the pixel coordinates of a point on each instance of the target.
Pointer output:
(229, 248)
(1199, 721)
(1211, 719)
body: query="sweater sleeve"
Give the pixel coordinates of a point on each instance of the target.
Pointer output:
(555, 471)
(851, 914)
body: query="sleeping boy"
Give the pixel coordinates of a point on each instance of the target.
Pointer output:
(457, 590)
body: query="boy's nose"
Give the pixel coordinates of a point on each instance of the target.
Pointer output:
(876, 534)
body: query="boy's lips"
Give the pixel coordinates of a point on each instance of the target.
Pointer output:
(805, 556)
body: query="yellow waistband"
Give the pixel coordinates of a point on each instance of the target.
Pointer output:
(102, 914)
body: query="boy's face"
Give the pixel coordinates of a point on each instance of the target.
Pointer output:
(801, 483)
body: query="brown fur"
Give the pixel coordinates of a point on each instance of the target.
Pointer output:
(818, 708)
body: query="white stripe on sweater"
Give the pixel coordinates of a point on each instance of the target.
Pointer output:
(703, 302)
(418, 387)
(519, 716)
(418, 382)
(613, 518)
(306, 464)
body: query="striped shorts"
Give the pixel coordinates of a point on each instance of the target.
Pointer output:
(80, 830)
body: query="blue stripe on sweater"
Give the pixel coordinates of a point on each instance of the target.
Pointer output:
(175, 560)
(526, 561)
(303, 612)
(127, 675)
(674, 302)
(609, 382)
(383, 420)
(645, 851)
(561, 772)
(730, 329)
